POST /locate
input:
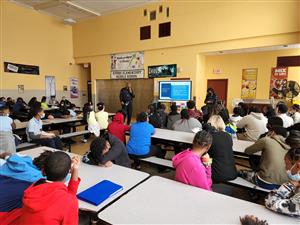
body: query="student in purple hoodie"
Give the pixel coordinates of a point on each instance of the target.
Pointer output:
(193, 166)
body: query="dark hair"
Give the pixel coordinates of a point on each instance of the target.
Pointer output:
(249, 220)
(202, 139)
(57, 166)
(245, 109)
(237, 110)
(32, 101)
(282, 108)
(141, 117)
(190, 104)
(39, 161)
(2, 98)
(293, 139)
(96, 148)
(293, 154)
(270, 112)
(255, 109)
(184, 114)
(100, 106)
(20, 99)
(173, 110)
(210, 89)
(152, 108)
(43, 99)
(296, 107)
(279, 130)
(274, 121)
(209, 128)
(36, 111)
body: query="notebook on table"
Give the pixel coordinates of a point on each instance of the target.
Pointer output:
(99, 192)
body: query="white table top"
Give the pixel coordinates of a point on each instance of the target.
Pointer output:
(162, 201)
(91, 175)
(185, 137)
(111, 114)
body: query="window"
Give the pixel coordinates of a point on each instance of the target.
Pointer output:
(160, 9)
(153, 15)
(145, 12)
(165, 29)
(168, 11)
(145, 32)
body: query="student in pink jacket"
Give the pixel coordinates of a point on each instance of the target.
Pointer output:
(193, 165)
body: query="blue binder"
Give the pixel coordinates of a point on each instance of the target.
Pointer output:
(99, 192)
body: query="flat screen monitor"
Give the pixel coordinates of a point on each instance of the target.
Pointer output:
(175, 90)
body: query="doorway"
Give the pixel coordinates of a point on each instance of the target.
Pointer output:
(220, 87)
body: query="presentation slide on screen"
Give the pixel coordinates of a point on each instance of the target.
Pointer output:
(175, 90)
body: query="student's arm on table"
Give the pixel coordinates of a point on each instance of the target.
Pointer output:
(75, 180)
(256, 147)
(281, 200)
(242, 123)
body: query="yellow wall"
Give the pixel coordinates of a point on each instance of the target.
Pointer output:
(29, 37)
(232, 65)
(198, 27)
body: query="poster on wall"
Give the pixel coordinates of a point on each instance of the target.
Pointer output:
(162, 71)
(74, 92)
(50, 86)
(249, 83)
(278, 83)
(127, 65)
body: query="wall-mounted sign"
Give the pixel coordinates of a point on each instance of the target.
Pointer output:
(20, 88)
(162, 71)
(20, 68)
(127, 65)
(249, 79)
(278, 83)
(217, 71)
(74, 92)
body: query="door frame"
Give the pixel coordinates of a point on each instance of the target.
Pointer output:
(226, 94)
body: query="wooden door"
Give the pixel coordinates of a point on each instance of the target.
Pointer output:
(220, 87)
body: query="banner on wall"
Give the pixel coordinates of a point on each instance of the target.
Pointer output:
(278, 83)
(127, 65)
(162, 71)
(249, 83)
(74, 92)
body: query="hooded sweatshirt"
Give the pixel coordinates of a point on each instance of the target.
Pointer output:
(118, 128)
(271, 166)
(190, 170)
(254, 124)
(50, 203)
(20, 167)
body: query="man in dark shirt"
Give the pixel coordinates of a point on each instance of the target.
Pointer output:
(126, 98)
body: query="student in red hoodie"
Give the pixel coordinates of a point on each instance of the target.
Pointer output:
(118, 128)
(50, 201)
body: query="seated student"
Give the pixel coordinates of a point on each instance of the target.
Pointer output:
(187, 124)
(270, 173)
(173, 116)
(272, 121)
(7, 140)
(245, 109)
(220, 109)
(193, 166)
(44, 105)
(281, 111)
(118, 128)
(53, 101)
(269, 111)
(295, 113)
(139, 144)
(293, 139)
(223, 165)
(32, 101)
(286, 199)
(155, 118)
(254, 124)
(193, 112)
(72, 110)
(161, 108)
(106, 150)
(50, 201)
(65, 101)
(35, 133)
(2, 101)
(236, 116)
(102, 116)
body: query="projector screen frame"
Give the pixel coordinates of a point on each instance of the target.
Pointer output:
(174, 81)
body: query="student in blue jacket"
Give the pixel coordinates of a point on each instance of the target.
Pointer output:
(139, 145)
